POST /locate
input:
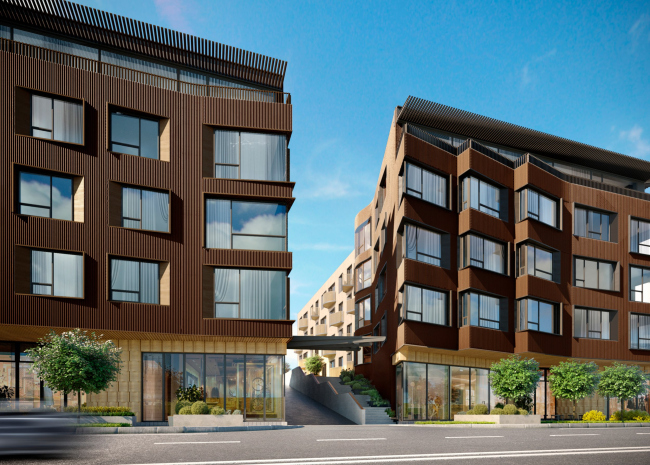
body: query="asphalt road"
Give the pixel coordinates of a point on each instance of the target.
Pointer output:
(327, 445)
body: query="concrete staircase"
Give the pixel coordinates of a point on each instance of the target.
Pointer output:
(374, 415)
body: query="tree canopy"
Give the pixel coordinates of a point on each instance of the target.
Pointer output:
(573, 380)
(314, 364)
(623, 381)
(514, 377)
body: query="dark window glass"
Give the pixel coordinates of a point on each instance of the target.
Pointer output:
(480, 195)
(135, 281)
(481, 310)
(591, 224)
(426, 305)
(134, 135)
(423, 245)
(538, 315)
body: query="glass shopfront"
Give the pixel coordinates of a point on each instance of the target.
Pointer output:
(253, 384)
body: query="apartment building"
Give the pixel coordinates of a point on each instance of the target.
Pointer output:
(330, 312)
(145, 197)
(486, 239)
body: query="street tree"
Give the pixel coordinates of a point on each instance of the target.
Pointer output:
(314, 364)
(514, 378)
(623, 382)
(573, 381)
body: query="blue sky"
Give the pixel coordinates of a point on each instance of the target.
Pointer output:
(573, 69)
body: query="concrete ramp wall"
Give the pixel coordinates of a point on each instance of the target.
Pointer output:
(323, 392)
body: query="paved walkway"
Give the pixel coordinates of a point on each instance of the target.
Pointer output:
(301, 410)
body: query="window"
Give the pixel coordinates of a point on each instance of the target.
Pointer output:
(332, 363)
(363, 312)
(45, 195)
(384, 327)
(382, 240)
(362, 238)
(340, 361)
(426, 185)
(426, 305)
(349, 329)
(57, 274)
(135, 135)
(483, 310)
(423, 245)
(245, 225)
(639, 331)
(135, 281)
(594, 274)
(250, 155)
(341, 283)
(592, 224)
(483, 253)
(57, 119)
(376, 332)
(592, 324)
(536, 261)
(538, 315)
(639, 284)
(340, 332)
(349, 357)
(323, 320)
(481, 196)
(250, 294)
(640, 236)
(364, 354)
(381, 286)
(364, 275)
(145, 209)
(537, 206)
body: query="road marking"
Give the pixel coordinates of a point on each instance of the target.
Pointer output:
(347, 439)
(642, 433)
(421, 457)
(470, 437)
(580, 434)
(198, 442)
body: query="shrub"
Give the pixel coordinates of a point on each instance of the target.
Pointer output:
(200, 408)
(470, 412)
(103, 411)
(217, 411)
(510, 409)
(370, 392)
(630, 415)
(642, 419)
(350, 383)
(236, 412)
(499, 405)
(191, 393)
(359, 376)
(315, 364)
(185, 411)
(390, 412)
(594, 415)
(461, 413)
(523, 411)
(346, 379)
(346, 374)
(356, 386)
(480, 409)
(180, 404)
(497, 411)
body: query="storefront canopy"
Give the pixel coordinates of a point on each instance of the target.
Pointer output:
(347, 343)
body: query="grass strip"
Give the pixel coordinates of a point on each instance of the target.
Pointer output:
(454, 422)
(102, 425)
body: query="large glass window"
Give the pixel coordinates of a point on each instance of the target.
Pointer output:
(250, 155)
(639, 331)
(426, 305)
(594, 274)
(135, 281)
(364, 275)
(426, 185)
(480, 387)
(593, 324)
(57, 119)
(45, 195)
(640, 236)
(145, 209)
(423, 245)
(481, 196)
(483, 310)
(232, 224)
(460, 390)
(363, 311)
(538, 206)
(639, 284)
(483, 253)
(415, 391)
(57, 273)
(538, 315)
(437, 392)
(64, 46)
(592, 224)
(250, 294)
(135, 135)
(535, 261)
(362, 238)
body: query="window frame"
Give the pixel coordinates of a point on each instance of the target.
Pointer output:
(465, 310)
(419, 195)
(594, 211)
(465, 197)
(524, 206)
(360, 234)
(556, 261)
(139, 291)
(367, 282)
(602, 312)
(367, 310)
(404, 312)
(62, 98)
(614, 284)
(638, 316)
(140, 116)
(50, 174)
(638, 244)
(556, 322)
(51, 285)
(466, 259)
(140, 189)
(405, 246)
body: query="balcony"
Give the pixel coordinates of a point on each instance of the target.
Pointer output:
(314, 313)
(349, 306)
(329, 299)
(303, 324)
(329, 353)
(320, 330)
(298, 351)
(141, 77)
(337, 319)
(348, 282)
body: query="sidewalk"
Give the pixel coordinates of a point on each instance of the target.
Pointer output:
(178, 429)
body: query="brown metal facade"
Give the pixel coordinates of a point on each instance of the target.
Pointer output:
(182, 176)
(477, 346)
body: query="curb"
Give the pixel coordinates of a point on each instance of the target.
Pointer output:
(544, 425)
(179, 429)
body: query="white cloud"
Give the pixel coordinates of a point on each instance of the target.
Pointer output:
(640, 30)
(640, 146)
(527, 73)
(173, 12)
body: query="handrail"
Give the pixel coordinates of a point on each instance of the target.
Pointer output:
(430, 138)
(141, 77)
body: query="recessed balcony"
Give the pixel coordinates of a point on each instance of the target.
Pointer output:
(336, 319)
(348, 282)
(320, 330)
(314, 313)
(303, 324)
(329, 299)
(349, 306)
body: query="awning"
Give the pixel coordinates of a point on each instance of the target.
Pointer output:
(347, 343)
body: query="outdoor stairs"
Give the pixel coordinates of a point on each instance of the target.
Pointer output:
(374, 415)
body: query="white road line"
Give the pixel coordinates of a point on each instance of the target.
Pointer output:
(580, 434)
(470, 437)
(347, 439)
(422, 457)
(198, 442)
(642, 433)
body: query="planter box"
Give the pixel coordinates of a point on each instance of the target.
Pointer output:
(102, 419)
(206, 420)
(502, 419)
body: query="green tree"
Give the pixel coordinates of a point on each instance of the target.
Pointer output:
(75, 361)
(287, 367)
(314, 364)
(623, 382)
(573, 381)
(514, 378)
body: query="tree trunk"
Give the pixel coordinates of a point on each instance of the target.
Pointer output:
(575, 403)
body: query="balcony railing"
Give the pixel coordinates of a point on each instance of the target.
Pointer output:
(329, 353)
(303, 324)
(141, 77)
(348, 282)
(349, 306)
(320, 330)
(314, 313)
(337, 319)
(329, 299)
